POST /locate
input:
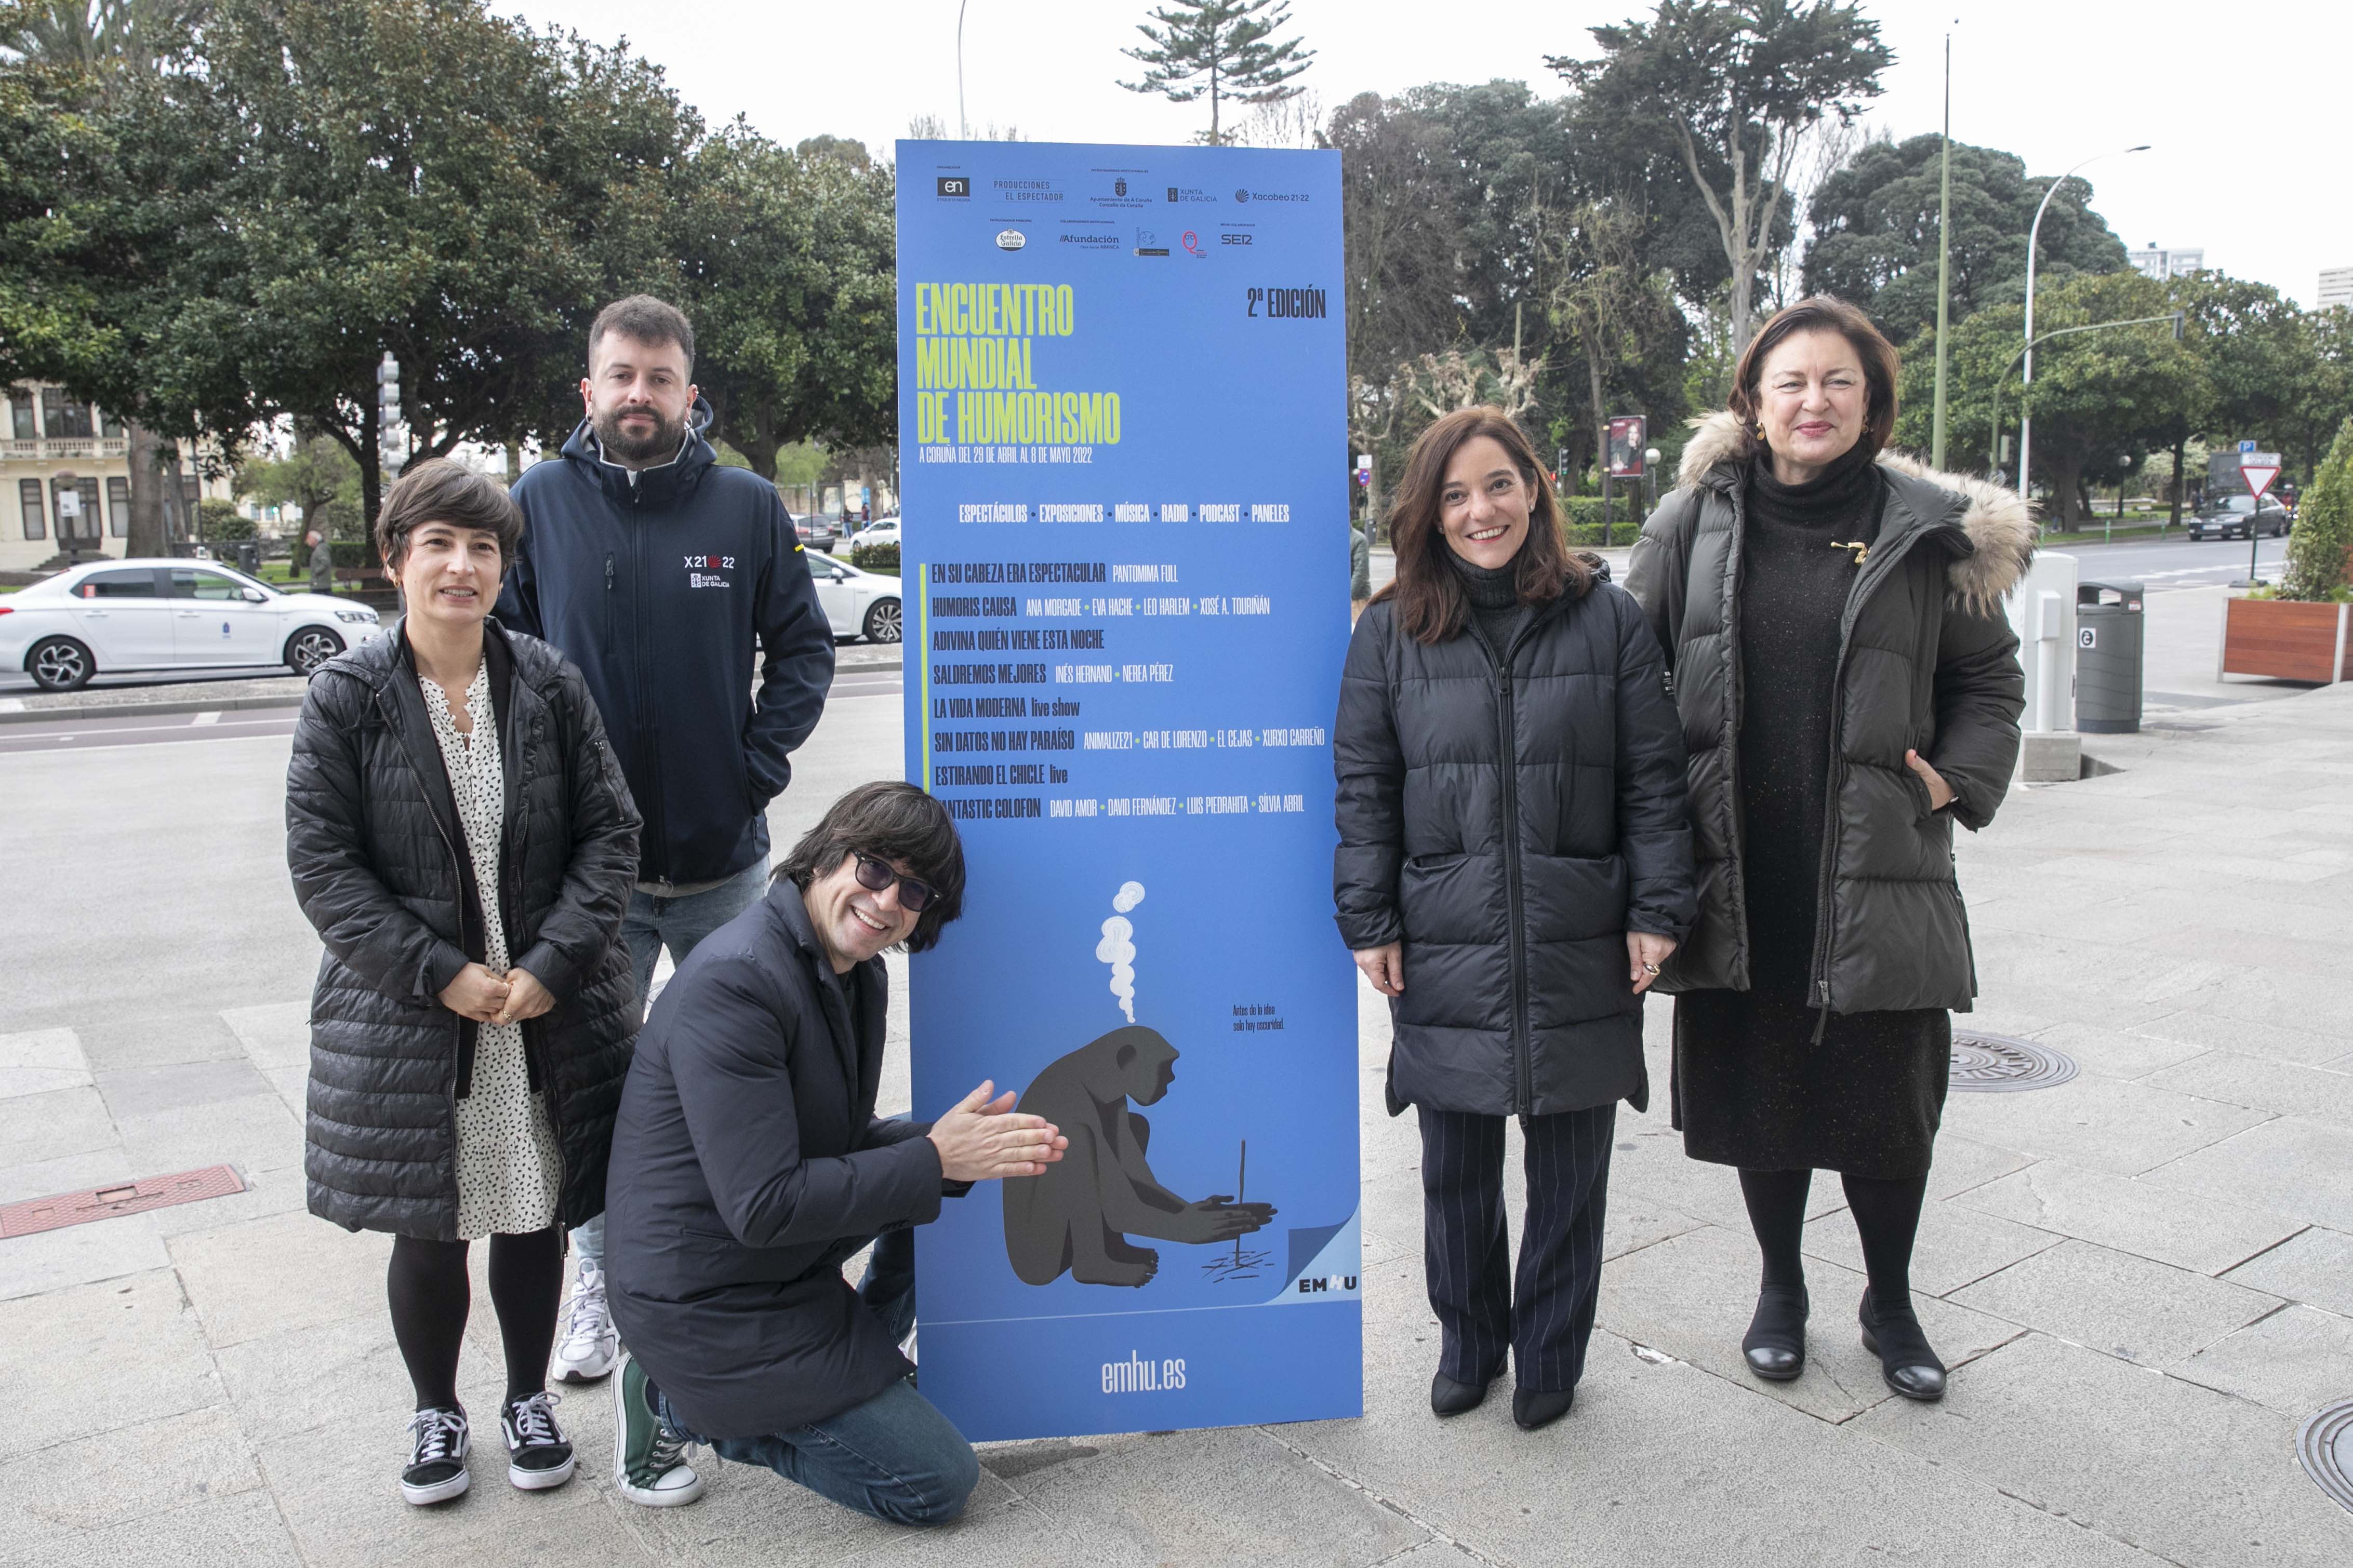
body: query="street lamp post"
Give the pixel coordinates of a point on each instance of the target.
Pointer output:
(961, 134)
(2034, 237)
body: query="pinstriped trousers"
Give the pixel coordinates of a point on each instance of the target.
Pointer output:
(1546, 1317)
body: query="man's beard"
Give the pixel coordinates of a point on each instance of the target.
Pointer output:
(658, 448)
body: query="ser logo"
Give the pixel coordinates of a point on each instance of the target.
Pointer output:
(955, 185)
(1234, 239)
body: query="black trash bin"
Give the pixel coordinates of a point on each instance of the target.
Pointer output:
(249, 556)
(2108, 627)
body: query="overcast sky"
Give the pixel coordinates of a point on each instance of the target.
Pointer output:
(2244, 105)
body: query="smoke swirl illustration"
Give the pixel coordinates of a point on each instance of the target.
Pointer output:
(1118, 947)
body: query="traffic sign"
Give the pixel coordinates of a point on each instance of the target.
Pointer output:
(2258, 469)
(2246, 446)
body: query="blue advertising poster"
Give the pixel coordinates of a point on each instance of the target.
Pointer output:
(1124, 479)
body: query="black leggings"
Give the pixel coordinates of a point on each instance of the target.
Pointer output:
(430, 1294)
(1886, 1218)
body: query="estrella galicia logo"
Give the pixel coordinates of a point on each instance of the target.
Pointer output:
(955, 185)
(1241, 195)
(1119, 187)
(1012, 240)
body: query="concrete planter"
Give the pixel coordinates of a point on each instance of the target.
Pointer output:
(2287, 640)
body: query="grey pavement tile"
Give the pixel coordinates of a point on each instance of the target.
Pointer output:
(80, 1255)
(256, 1133)
(1955, 1245)
(2116, 1052)
(2294, 1362)
(2123, 1127)
(65, 1173)
(109, 1355)
(2148, 1313)
(41, 1060)
(126, 1474)
(1693, 1297)
(267, 1193)
(1962, 1164)
(2197, 1478)
(2300, 1169)
(158, 1039)
(2284, 1088)
(348, 1374)
(63, 1121)
(1234, 1496)
(274, 1035)
(142, 1092)
(1663, 1463)
(242, 1530)
(2218, 1031)
(2290, 998)
(2314, 1266)
(1632, 1222)
(290, 1271)
(2131, 1215)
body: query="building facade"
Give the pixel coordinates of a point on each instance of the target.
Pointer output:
(65, 479)
(2335, 287)
(2161, 265)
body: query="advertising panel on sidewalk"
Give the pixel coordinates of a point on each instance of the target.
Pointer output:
(1121, 389)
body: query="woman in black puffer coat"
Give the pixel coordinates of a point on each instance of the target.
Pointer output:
(460, 836)
(1513, 868)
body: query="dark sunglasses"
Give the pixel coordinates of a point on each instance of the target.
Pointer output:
(876, 876)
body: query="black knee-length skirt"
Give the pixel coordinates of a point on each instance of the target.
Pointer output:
(1751, 1087)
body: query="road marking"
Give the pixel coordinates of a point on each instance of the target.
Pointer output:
(135, 730)
(213, 717)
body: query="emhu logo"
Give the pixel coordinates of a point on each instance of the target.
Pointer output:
(1137, 1375)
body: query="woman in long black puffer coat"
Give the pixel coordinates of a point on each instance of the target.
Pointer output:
(461, 839)
(1513, 868)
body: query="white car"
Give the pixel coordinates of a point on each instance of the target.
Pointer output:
(858, 604)
(881, 531)
(116, 615)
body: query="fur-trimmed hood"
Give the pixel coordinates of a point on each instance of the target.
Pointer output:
(1998, 524)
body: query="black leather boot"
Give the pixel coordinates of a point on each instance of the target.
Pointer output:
(1906, 1359)
(1535, 1407)
(1774, 1346)
(1448, 1397)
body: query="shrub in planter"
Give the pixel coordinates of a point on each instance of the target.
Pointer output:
(879, 558)
(2317, 551)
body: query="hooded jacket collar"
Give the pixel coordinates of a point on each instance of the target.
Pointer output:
(1987, 528)
(655, 488)
(862, 1067)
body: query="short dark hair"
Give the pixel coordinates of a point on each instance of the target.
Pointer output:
(1432, 604)
(439, 491)
(894, 822)
(1882, 367)
(648, 320)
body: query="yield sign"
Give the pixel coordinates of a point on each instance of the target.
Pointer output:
(2258, 476)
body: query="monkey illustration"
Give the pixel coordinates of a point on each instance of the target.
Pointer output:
(1079, 1214)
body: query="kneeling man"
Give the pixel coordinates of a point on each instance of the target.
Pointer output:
(748, 1166)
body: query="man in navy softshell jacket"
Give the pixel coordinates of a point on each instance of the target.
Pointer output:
(661, 574)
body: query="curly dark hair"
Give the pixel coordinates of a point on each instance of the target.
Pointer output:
(894, 822)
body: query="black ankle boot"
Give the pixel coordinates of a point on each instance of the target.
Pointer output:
(1535, 1407)
(1448, 1397)
(1775, 1347)
(1906, 1359)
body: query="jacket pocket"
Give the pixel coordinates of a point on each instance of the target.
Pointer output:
(1567, 897)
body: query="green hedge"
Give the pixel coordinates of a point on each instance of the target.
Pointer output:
(2317, 551)
(881, 558)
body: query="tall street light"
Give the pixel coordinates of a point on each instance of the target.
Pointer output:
(2026, 420)
(960, 129)
(1944, 268)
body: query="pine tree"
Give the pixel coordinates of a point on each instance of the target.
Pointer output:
(1221, 50)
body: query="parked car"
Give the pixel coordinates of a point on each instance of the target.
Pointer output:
(820, 532)
(118, 616)
(2228, 518)
(858, 604)
(881, 531)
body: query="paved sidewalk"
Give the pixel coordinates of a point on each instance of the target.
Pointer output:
(2143, 1278)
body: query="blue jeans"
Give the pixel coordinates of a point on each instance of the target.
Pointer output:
(895, 1456)
(680, 924)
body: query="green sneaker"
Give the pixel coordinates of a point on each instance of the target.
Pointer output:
(648, 1458)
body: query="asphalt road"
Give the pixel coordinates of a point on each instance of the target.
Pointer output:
(150, 729)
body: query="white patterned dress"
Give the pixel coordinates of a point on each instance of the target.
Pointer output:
(510, 1172)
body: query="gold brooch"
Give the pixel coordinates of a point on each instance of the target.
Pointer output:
(1860, 548)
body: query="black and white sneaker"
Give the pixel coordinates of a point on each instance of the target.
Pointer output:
(437, 1460)
(538, 1457)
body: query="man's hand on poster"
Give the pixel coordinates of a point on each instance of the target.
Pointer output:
(1218, 1218)
(983, 1140)
(1385, 967)
(1645, 953)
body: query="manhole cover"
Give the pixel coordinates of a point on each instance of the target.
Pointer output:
(2325, 1446)
(1996, 1064)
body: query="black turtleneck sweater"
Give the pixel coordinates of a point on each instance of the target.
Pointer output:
(1496, 612)
(1797, 567)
